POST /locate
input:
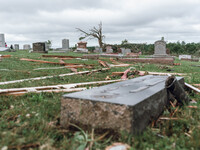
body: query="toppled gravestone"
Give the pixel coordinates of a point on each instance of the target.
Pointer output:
(128, 105)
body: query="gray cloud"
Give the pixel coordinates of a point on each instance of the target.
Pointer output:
(28, 21)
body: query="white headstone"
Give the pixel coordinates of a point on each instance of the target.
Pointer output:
(2, 40)
(185, 57)
(65, 44)
(26, 47)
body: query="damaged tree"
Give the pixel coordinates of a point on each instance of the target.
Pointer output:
(93, 33)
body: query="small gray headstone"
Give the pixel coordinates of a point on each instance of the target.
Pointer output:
(26, 47)
(16, 46)
(98, 49)
(125, 51)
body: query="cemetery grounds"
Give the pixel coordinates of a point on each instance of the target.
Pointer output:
(32, 121)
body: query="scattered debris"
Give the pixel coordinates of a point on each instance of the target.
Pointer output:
(53, 88)
(47, 77)
(104, 64)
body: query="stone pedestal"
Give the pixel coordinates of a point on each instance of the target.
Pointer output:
(128, 105)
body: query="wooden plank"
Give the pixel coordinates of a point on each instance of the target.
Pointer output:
(58, 56)
(48, 77)
(48, 62)
(53, 88)
(192, 87)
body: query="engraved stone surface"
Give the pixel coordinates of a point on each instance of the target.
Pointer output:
(128, 105)
(39, 47)
(160, 48)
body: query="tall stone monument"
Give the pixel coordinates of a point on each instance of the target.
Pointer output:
(2, 40)
(65, 44)
(3, 46)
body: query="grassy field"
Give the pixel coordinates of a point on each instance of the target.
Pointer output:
(32, 121)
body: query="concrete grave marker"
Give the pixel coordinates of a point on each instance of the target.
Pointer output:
(65, 44)
(40, 47)
(125, 51)
(128, 105)
(16, 47)
(82, 47)
(109, 49)
(185, 57)
(26, 47)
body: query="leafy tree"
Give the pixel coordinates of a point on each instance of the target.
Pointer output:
(94, 33)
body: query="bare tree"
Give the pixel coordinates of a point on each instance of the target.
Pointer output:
(93, 33)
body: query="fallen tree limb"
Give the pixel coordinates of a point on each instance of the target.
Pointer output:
(192, 87)
(48, 77)
(53, 88)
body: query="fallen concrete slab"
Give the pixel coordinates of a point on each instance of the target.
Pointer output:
(128, 105)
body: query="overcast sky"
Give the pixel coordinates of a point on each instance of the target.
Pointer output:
(138, 21)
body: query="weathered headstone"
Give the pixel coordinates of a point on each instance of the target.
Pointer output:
(39, 47)
(26, 47)
(2, 40)
(128, 105)
(125, 51)
(109, 49)
(97, 49)
(16, 47)
(65, 44)
(82, 47)
(160, 48)
(185, 57)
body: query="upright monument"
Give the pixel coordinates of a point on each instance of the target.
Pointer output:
(65, 44)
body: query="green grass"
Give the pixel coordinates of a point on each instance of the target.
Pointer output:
(33, 120)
